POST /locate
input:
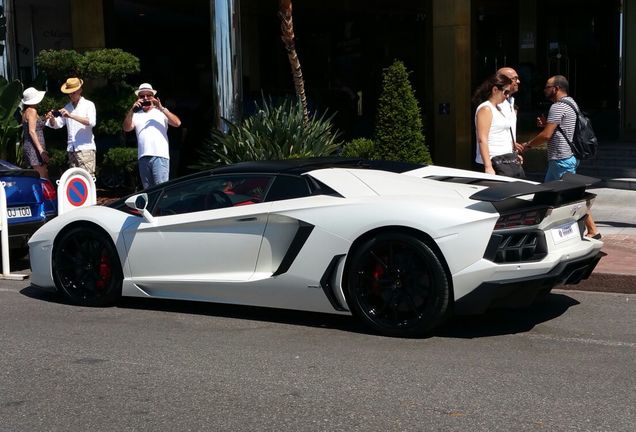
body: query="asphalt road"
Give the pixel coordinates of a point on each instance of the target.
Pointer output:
(567, 364)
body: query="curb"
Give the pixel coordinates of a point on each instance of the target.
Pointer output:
(620, 183)
(615, 272)
(605, 283)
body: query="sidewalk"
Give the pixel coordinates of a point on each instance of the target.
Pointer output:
(614, 212)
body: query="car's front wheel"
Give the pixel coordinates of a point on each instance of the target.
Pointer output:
(86, 267)
(397, 285)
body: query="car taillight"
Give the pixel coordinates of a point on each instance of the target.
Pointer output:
(48, 190)
(521, 219)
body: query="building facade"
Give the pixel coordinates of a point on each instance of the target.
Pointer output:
(216, 57)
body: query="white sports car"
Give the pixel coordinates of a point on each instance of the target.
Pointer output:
(398, 246)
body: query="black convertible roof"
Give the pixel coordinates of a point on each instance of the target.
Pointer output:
(287, 166)
(299, 166)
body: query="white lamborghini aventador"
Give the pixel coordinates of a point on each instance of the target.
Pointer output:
(398, 246)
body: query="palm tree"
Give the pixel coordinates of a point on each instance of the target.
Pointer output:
(287, 35)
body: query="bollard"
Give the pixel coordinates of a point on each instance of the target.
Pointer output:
(75, 189)
(4, 239)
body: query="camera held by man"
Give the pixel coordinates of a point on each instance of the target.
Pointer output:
(56, 113)
(140, 104)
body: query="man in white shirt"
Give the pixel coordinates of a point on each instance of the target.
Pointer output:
(508, 106)
(150, 120)
(79, 116)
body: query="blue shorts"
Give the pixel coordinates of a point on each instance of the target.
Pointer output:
(558, 167)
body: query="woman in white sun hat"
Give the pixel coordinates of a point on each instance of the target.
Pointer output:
(34, 148)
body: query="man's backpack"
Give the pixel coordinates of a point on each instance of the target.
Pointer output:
(584, 143)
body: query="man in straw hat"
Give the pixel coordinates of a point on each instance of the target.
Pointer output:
(79, 116)
(150, 120)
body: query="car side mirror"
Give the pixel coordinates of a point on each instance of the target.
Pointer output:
(139, 203)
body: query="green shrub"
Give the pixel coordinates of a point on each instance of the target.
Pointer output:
(10, 128)
(59, 64)
(119, 168)
(274, 132)
(112, 102)
(108, 63)
(359, 148)
(121, 159)
(58, 162)
(113, 64)
(398, 128)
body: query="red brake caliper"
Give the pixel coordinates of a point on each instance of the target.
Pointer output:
(377, 273)
(104, 271)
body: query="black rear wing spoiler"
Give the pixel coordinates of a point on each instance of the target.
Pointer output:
(570, 188)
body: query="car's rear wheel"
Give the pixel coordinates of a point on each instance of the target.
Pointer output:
(397, 285)
(86, 267)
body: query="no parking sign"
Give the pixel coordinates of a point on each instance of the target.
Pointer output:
(75, 189)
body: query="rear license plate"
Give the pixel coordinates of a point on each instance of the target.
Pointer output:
(17, 212)
(565, 232)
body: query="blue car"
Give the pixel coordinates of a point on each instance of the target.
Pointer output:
(31, 202)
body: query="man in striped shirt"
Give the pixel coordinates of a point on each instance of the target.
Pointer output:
(560, 156)
(560, 123)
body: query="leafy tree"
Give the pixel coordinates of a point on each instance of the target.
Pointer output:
(275, 131)
(59, 64)
(107, 67)
(398, 128)
(113, 64)
(109, 63)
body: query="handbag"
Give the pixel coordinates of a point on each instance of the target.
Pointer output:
(508, 164)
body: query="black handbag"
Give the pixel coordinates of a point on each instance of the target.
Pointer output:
(508, 164)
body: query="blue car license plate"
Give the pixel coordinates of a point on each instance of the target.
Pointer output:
(17, 212)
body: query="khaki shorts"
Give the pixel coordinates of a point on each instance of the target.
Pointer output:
(83, 159)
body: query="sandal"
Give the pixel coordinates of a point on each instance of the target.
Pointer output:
(596, 236)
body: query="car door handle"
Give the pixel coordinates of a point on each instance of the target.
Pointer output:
(247, 219)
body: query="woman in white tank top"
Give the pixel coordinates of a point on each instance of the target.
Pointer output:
(494, 136)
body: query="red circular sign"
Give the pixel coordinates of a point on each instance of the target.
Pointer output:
(76, 191)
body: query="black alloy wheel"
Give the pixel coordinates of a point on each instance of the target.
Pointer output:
(398, 286)
(86, 267)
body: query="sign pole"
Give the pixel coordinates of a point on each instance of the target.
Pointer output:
(4, 239)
